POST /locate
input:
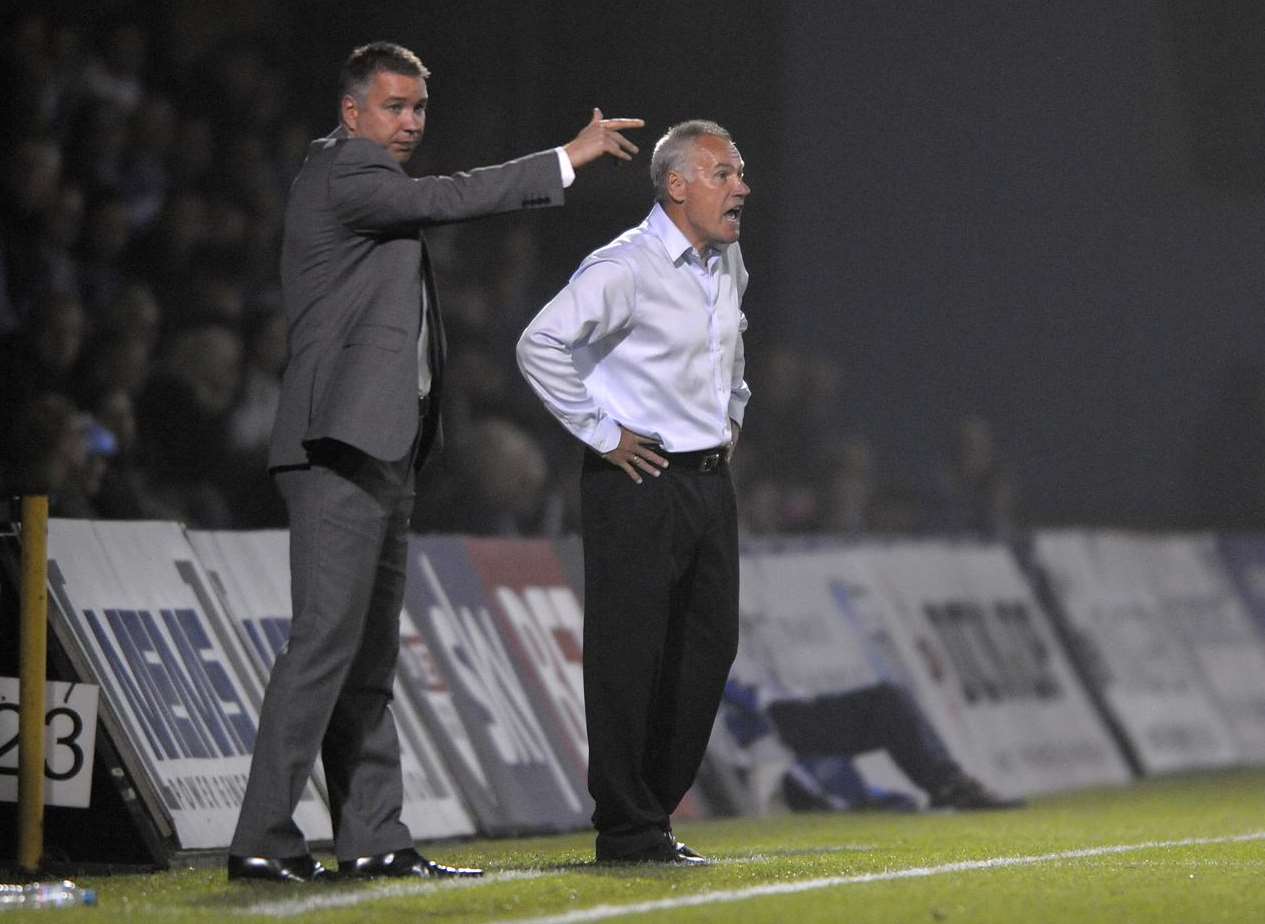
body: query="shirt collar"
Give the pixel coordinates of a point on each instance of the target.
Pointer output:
(676, 244)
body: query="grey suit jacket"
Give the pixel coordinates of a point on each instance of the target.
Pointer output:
(352, 270)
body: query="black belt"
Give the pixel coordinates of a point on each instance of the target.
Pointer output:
(699, 462)
(703, 461)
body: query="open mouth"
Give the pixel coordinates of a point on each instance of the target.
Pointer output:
(734, 214)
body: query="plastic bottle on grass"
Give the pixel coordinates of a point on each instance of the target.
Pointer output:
(64, 894)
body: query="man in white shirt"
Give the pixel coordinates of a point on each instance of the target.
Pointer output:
(640, 357)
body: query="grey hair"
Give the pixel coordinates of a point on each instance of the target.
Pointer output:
(673, 149)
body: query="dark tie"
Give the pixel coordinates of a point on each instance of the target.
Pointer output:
(436, 353)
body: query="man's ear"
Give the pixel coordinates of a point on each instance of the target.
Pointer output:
(350, 112)
(676, 186)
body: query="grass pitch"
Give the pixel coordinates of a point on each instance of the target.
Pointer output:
(1189, 849)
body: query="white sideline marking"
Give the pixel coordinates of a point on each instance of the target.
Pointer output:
(293, 907)
(602, 912)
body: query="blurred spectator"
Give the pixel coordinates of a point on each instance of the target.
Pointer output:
(499, 474)
(114, 76)
(226, 225)
(31, 180)
(183, 423)
(478, 382)
(25, 65)
(40, 359)
(57, 258)
(977, 493)
(900, 508)
(823, 732)
(256, 502)
(250, 423)
(105, 238)
(164, 254)
(211, 290)
(98, 139)
(114, 410)
(779, 446)
(849, 488)
(194, 149)
(760, 512)
(88, 464)
(145, 177)
(124, 492)
(114, 361)
(135, 314)
(46, 451)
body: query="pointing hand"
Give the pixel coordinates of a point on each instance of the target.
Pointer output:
(601, 137)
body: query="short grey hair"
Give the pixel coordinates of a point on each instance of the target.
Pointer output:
(367, 60)
(671, 152)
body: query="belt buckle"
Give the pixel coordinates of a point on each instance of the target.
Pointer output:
(710, 462)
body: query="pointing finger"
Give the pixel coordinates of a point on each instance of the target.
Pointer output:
(622, 123)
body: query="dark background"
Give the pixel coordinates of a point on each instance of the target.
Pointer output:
(1048, 214)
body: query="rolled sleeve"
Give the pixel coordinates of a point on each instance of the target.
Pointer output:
(596, 302)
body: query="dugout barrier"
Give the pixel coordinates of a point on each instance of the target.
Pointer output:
(1076, 658)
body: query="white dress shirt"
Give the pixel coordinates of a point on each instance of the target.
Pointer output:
(647, 335)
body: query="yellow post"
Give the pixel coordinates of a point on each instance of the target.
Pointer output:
(31, 679)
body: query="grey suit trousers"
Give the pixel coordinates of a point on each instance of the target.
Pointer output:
(330, 690)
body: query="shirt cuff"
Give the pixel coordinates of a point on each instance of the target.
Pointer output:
(605, 435)
(564, 164)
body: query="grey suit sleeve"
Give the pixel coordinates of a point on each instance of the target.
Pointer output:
(370, 192)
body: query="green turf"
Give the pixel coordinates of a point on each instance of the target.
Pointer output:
(553, 876)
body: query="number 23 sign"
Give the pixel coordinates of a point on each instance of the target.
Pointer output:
(70, 726)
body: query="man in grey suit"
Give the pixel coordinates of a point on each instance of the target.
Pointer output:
(359, 412)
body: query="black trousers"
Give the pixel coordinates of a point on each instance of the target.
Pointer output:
(660, 633)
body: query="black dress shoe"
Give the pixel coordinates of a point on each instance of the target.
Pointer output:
(666, 850)
(303, 868)
(407, 862)
(686, 853)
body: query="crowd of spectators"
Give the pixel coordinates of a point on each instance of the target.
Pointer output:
(142, 337)
(140, 328)
(798, 472)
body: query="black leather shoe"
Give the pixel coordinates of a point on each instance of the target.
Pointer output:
(687, 854)
(667, 850)
(303, 868)
(407, 862)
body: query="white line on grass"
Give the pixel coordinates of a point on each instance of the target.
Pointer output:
(318, 901)
(315, 901)
(602, 912)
